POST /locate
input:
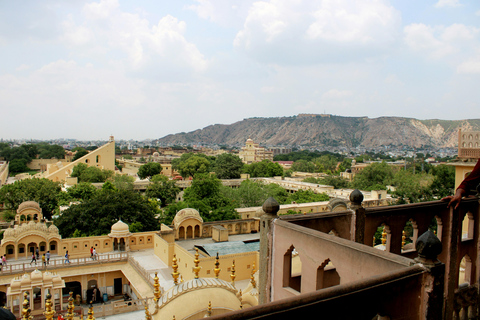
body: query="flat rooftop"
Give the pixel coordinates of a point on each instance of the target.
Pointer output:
(236, 244)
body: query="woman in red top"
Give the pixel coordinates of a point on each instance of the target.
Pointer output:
(469, 183)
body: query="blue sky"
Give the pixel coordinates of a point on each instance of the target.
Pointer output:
(144, 69)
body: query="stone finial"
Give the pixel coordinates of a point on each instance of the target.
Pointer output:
(49, 312)
(26, 310)
(428, 247)
(271, 206)
(356, 197)
(252, 277)
(90, 312)
(196, 268)
(216, 270)
(70, 307)
(232, 275)
(175, 273)
(156, 288)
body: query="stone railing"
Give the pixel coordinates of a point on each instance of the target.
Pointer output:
(141, 270)
(56, 263)
(455, 274)
(116, 307)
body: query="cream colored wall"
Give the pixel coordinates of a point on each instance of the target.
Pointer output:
(243, 261)
(36, 164)
(106, 160)
(461, 172)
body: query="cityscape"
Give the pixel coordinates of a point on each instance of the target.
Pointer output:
(232, 159)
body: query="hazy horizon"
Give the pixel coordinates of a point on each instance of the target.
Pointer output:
(140, 70)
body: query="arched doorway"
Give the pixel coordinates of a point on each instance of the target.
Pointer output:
(181, 233)
(197, 231)
(189, 232)
(53, 247)
(93, 293)
(73, 286)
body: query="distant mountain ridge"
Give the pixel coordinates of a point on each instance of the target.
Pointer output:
(325, 130)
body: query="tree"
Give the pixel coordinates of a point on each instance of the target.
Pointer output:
(84, 173)
(410, 188)
(82, 191)
(373, 176)
(443, 181)
(80, 153)
(265, 168)
(190, 164)
(228, 166)
(123, 181)
(95, 216)
(304, 196)
(303, 166)
(205, 195)
(148, 170)
(163, 189)
(18, 166)
(43, 191)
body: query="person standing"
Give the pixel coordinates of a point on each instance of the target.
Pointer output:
(38, 253)
(44, 261)
(48, 257)
(91, 253)
(4, 260)
(469, 183)
(94, 254)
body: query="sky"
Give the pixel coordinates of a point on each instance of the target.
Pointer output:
(144, 69)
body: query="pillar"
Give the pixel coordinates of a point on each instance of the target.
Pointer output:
(270, 207)
(356, 198)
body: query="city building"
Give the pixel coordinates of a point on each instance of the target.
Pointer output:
(252, 152)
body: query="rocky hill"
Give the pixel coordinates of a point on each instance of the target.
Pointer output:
(325, 130)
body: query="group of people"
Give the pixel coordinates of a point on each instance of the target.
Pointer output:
(93, 253)
(36, 256)
(3, 261)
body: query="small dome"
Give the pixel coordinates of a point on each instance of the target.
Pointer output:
(156, 154)
(119, 229)
(187, 213)
(9, 233)
(249, 140)
(28, 205)
(120, 226)
(36, 274)
(53, 229)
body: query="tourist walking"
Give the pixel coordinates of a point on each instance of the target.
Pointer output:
(67, 256)
(94, 254)
(38, 253)
(48, 257)
(4, 260)
(33, 259)
(44, 261)
(91, 253)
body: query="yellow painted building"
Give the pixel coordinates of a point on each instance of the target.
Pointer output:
(252, 152)
(115, 270)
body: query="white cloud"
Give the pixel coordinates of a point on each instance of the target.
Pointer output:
(313, 31)
(440, 41)
(223, 12)
(470, 66)
(448, 3)
(151, 50)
